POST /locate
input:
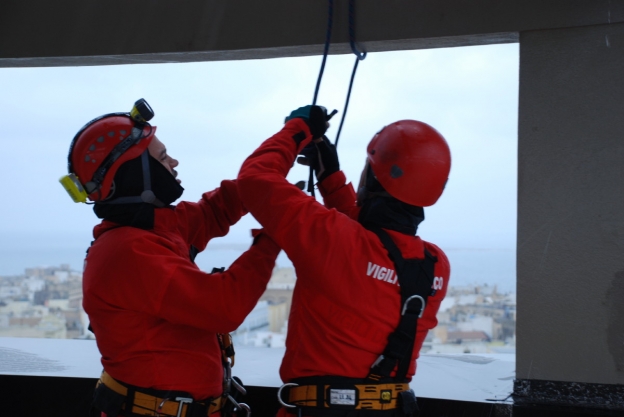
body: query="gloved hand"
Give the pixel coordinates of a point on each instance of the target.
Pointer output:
(322, 157)
(315, 117)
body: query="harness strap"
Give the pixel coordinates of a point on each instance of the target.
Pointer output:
(347, 396)
(141, 402)
(415, 278)
(227, 347)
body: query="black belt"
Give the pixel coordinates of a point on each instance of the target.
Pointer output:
(111, 396)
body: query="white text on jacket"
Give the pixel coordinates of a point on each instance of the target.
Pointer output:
(389, 275)
(381, 273)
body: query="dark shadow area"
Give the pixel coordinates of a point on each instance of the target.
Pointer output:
(71, 397)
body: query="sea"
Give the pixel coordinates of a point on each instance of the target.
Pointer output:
(469, 265)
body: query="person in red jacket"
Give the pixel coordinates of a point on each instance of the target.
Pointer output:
(368, 288)
(161, 324)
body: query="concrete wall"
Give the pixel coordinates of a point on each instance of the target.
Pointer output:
(571, 205)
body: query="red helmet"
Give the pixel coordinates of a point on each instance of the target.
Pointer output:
(95, 156)
(411, 160)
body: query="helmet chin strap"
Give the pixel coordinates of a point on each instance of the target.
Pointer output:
(147, 196)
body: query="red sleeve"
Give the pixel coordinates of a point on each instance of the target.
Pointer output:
(280, 207)
(170, 287)
(339, 195)
(220, 302)
(305, 229)
(212, 216)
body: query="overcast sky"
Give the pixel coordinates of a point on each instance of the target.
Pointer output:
(212, 115)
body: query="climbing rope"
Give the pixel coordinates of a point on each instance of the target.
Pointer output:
(330, 22)
(359, 56)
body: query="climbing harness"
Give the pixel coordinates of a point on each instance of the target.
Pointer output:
(359, 56)
(233, 388)
(112, 396)
(322, 396)
(414, 294)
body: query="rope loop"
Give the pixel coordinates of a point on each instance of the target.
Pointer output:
(360, 55)
(328, 34)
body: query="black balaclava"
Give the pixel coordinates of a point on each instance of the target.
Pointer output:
(378, 208)
(129, 184)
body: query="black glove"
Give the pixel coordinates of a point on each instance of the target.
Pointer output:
(315, 117)
(322, 157)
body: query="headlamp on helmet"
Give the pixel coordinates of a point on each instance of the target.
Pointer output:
(74, 188)
(141, 111)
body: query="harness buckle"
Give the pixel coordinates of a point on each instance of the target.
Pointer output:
(279, 394)
(407, 302)
(378, 361)
(182, 400)
(383, 366)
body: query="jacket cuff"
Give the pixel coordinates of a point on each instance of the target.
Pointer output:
(302, 135)
(332, 183)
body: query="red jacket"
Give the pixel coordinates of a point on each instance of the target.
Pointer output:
(346, 301)
(154, 313)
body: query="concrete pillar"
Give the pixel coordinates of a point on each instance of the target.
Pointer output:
(570, 250)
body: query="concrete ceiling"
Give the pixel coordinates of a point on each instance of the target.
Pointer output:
(38, 33)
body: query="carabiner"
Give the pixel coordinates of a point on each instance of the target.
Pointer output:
(238, 405)
(227, 377)
(279, 394)
(422, 301)
(238, 386)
